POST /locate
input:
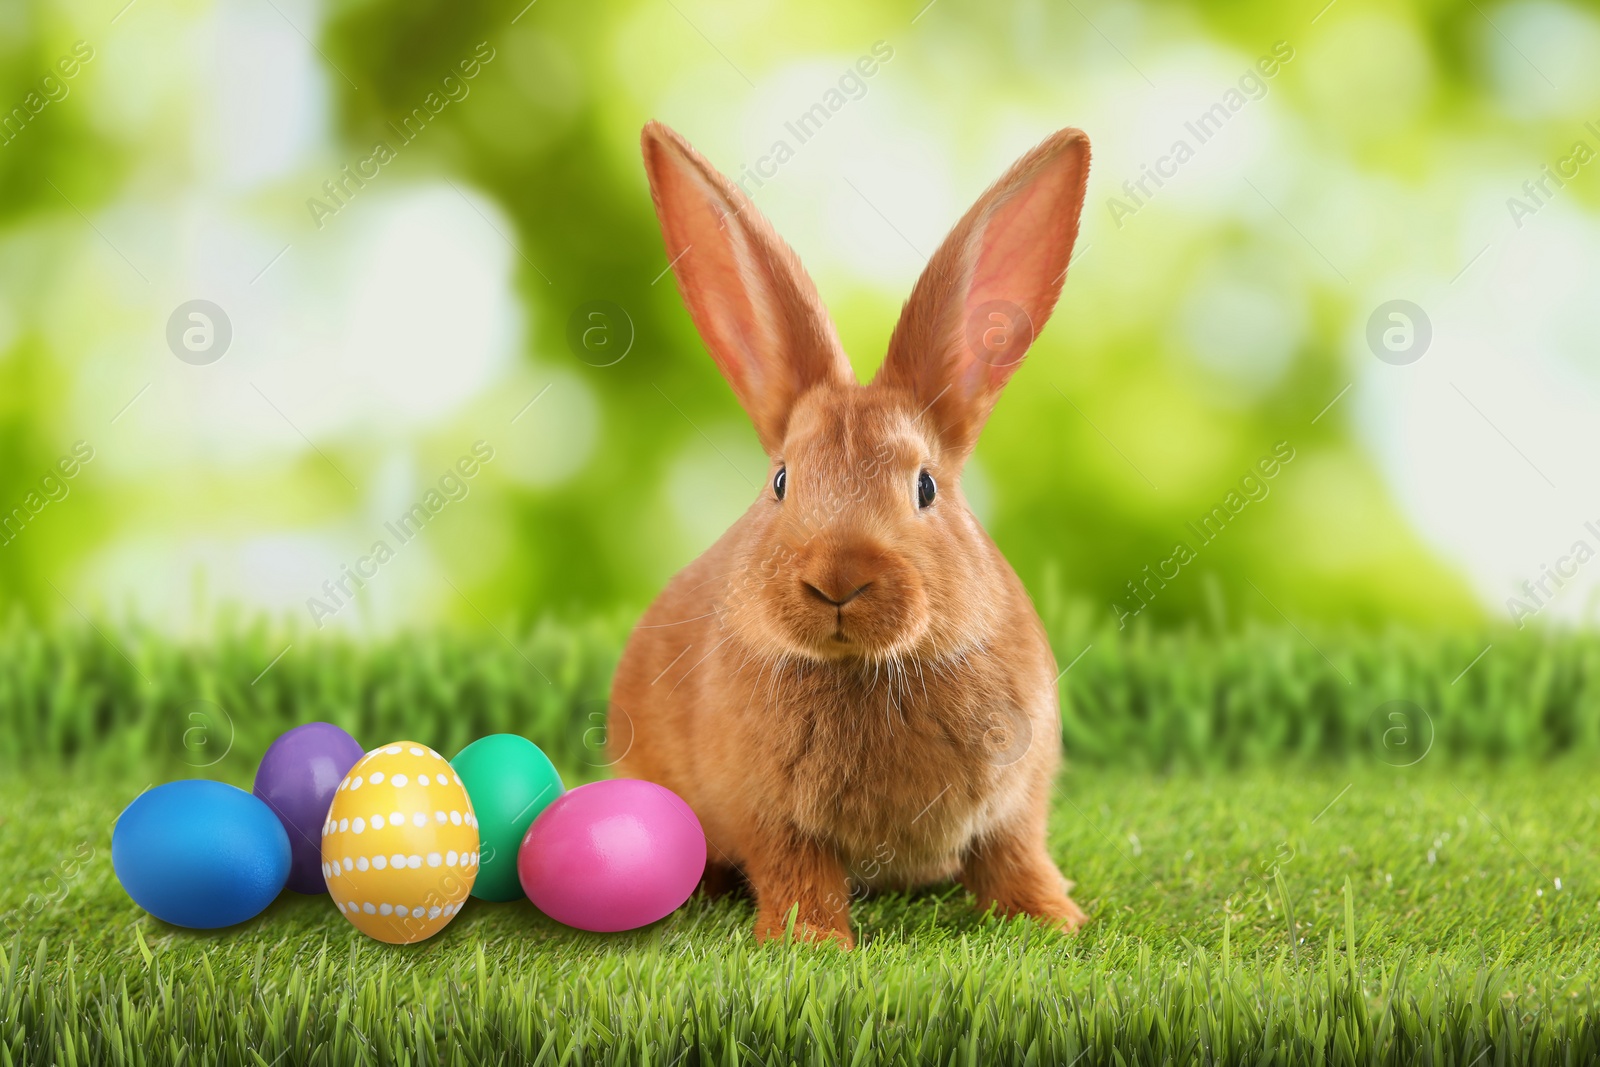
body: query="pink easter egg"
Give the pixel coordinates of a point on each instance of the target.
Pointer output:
(613, 855)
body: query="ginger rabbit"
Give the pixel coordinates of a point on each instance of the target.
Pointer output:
(851, 687)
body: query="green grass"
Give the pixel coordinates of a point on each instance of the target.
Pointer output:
(129, 700)
(1450, 939)
(1265, 884)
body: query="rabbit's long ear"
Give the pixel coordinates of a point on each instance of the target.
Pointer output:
(753, 303)
(989, 289)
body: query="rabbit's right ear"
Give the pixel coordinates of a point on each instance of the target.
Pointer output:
(753, 303)
(989, 289)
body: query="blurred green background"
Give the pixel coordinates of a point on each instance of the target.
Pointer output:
(427, 303)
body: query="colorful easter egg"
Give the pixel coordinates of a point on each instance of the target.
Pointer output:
(510, 782)
(297, 779)
(200, 854)
(612, 855)
(400, 844)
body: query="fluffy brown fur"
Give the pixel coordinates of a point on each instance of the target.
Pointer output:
(849, 688)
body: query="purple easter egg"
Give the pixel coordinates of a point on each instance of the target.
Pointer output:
(297, 778)
(612, 855)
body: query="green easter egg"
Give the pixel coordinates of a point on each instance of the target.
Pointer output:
(510, 781)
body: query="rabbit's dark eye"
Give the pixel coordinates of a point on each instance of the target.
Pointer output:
(925, 489)
(780, 481)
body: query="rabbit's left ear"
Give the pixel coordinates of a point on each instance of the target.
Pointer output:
(989, 289)
(754, 304)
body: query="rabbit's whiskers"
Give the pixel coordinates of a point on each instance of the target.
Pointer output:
(680, 622)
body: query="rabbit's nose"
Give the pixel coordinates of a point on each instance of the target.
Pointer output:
(836, 601)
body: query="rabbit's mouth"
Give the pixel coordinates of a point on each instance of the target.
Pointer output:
(840, 638)
(850, 640)
(852, 604)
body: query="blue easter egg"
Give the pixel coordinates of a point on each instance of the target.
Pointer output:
(200, 854)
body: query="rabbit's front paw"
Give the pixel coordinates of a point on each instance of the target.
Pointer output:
(1062, 913)
(1013, 876)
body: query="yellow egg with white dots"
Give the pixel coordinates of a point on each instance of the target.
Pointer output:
(400, 845)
